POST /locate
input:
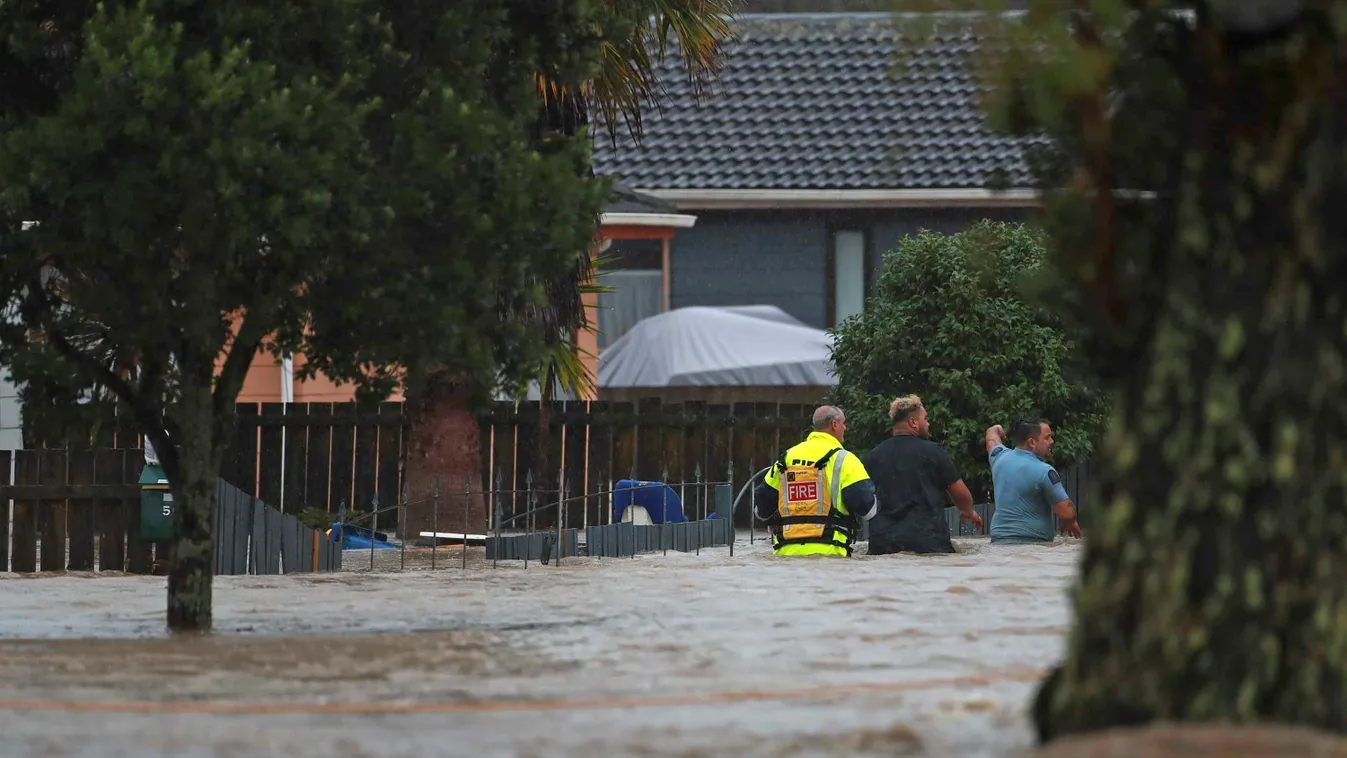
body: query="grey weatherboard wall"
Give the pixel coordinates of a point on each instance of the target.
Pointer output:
(781, 258)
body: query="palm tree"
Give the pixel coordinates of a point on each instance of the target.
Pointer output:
(638, 36)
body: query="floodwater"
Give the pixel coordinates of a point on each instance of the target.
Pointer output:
(680, 655)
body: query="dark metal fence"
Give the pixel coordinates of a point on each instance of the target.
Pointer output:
(79, 510)
(636, 517)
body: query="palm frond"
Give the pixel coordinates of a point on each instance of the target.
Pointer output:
(639, 36)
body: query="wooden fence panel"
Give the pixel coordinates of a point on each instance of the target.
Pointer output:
(295, 449)
(244, 449)
(291, 544)
(552, 467)
(82, 513)
(649, 440)
(108, 466)
(744, 440)
(6, 458)
(720, 440)
(389, 459)
(669, 451)
(575, 452)
(139, 553)
(261, 556)
(599, 469)
(343, 457)
(793, 422)
(624, 441)
(692, 454)
(526, 461)
(270, 452)
(501, 467)
(235, 514)
(364, 472)
(23, 553)
(768, 440)
(51, 511)
(318, 466)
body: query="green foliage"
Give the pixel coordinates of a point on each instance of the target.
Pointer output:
(954, 320)
(638, 35)
(366, 183)
(1094, 91)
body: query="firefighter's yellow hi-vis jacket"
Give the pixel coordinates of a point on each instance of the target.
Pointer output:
(812, 497)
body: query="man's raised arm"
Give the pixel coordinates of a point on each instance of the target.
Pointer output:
(996, 435)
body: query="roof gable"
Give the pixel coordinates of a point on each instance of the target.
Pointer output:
(811, 102)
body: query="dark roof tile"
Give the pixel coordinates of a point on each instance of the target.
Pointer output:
(811, 102)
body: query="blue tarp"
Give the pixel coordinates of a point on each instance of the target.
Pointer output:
(659, 500)
(358, 537)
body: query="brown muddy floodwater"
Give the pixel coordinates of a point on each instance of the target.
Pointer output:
(677, 655)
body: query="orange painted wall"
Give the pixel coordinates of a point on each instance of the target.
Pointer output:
(263, 382)
(588, 342)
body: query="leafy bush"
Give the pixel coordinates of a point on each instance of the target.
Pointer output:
(962, 321)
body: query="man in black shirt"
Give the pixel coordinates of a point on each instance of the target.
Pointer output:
(914, 482)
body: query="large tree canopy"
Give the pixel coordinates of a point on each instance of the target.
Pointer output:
(1193, 159)
(958, 320)
(183, 184)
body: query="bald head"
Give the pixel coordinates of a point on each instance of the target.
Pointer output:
(830, 419)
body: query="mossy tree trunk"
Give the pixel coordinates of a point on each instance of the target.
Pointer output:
(1213, 583)
(443, 444)
(198, 457)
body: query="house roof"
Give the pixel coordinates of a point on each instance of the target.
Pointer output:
(811, 102)
(623, 199)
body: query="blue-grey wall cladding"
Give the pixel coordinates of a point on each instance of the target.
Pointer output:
(893, 226)
(781, 257)
(739, 258)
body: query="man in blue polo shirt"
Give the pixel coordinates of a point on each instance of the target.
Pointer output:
(1028, 491)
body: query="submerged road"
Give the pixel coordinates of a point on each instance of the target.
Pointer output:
(678, 655)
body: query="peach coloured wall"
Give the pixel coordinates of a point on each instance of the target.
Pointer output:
(588, 342)
(263, 382)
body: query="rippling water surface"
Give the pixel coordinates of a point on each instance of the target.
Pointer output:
(677, 655)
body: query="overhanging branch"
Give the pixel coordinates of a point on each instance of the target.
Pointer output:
(242, 350)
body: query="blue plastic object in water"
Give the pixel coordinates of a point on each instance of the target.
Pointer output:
(358, 537)
(657, 498)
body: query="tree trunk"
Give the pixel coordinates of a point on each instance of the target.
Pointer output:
(1213, 585)
(192, 566)
(443, 443)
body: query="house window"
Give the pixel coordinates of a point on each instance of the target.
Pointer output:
(848, 274)
(635, 276)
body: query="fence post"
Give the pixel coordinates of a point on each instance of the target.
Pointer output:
(528, 517)
(434, 522)
(488, 513)
(373, 529)
(664, 504)
(734, 533)
(467, 502)
(697, 472)
(495, 552)
(752, 502)
(402, 519)
(565, 494)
